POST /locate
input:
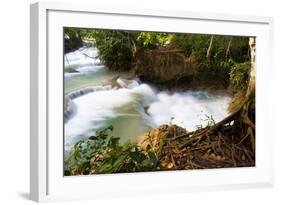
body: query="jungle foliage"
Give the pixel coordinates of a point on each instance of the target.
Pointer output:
(72, 39)
(220, 57)
(216, 56)
(116, 48)
(239, 76)
(103, 153)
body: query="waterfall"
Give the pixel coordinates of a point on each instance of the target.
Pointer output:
(81, 57)
(189, 109)
(70, 108)
(93, 100)
(124, 108)
(136, 108)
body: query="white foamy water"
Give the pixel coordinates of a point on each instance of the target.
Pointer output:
(123, 108)
(89, 70)
(80, 57)
(132, 109)
(188, 109)
(84, 70)
(83, 60)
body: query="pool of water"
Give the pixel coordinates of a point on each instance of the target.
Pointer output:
(134, 107)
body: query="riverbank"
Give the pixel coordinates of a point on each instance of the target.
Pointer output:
(172, 92)
(168, 147)
(93, 77)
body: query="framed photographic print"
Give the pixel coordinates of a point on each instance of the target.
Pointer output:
(127, 102)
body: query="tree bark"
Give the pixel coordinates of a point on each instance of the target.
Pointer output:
(252, 77)
(228, 48)
(210, 47)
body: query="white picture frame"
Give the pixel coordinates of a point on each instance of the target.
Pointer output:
(47, 182)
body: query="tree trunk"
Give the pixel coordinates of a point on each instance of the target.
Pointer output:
(228, 143)
(210, 47)
(228, 48)
(252, 78)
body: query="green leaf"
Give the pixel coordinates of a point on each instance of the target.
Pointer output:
(117, 165)
(93, 138)
(148, 147)
(137, 156)
(153, 158)
(147, 163)
(106, 168)
(113, 142)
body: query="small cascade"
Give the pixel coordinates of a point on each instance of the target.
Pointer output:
(189, 109)
(81, 57)
(125, 83)
(84, 91)
(123, 108)
(71, 108)
(132, 107)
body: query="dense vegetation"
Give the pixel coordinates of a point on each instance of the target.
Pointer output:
(193, 58)
(103, 153)
(204, 57)
(72, 39)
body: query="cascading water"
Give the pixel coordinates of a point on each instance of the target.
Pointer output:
(86, 70)
(123, 108)
(132, 107)
(189, 109)
(81, 57)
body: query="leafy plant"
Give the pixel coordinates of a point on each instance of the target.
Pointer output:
(210, 121)
(103, 153)
(116, 49)
(213, 55)
(154, 39)
(72, 39)
(239, 76)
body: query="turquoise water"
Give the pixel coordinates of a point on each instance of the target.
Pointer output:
(133, 108)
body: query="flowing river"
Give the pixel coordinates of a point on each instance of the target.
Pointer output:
(131, 107)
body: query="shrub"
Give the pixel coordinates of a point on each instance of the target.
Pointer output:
(72, 39)
(153, 39)
(115, 48)
(239, 76)
(103, 153)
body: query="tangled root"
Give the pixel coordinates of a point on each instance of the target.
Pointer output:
(228, 143)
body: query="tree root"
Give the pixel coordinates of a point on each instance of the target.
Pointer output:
(228, 143)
